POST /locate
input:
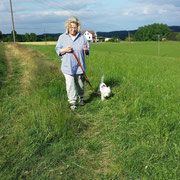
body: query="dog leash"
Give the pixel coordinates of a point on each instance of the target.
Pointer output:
(84, 73)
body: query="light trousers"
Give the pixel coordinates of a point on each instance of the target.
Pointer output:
(74, 87)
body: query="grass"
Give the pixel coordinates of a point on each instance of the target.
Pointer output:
(133, 135)
(3, 66)
(33, 118)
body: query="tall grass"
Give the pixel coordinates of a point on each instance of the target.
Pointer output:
(135, 134)
(3, 65)
(34, 121)
(141, 120)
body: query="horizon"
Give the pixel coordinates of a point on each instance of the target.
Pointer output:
(87, 30)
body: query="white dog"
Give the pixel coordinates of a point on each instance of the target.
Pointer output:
(104, 90)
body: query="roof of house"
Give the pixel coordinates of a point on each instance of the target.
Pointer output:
(92, 32)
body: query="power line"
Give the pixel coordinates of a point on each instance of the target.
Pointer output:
(53, 5)
(57, 4)
(40, 4)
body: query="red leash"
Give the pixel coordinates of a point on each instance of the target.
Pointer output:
(84, 73)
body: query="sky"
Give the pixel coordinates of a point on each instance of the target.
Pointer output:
(49, 16)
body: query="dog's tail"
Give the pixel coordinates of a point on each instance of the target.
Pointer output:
(102, 78)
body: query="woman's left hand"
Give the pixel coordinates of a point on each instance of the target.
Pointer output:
(85, 48)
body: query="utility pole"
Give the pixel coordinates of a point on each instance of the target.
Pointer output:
(12, 21)
(158, 45)
(45, 36)
(129, 36)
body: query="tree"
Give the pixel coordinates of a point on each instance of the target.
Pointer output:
(1, 36)
(50, 38)
(130, 37)
(19, 37)
(178, 36)
(114, 39)
(23, 39)
(172, 36)
(151, 32)
(27, 37)
(8, 38)
(33, 37)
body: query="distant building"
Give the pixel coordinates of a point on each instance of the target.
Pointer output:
(164, 39)
(107, 39)
(91, 36)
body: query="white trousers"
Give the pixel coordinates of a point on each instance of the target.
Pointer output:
(74, 87)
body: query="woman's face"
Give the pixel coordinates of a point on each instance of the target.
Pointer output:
(73, 29)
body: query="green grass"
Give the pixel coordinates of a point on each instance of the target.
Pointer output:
(33, 124)
(3, 66)
(135, 134)
(144, 110)
(141, 120)
(168, 49)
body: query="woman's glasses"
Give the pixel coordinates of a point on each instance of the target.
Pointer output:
(73, 28)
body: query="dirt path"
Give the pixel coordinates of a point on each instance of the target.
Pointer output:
(29, 61)
(8, 58)
(24, 57)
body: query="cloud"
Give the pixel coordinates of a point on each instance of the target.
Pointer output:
(2, 8)
(98, 15)
(175, 2)
(148, 10)
(77, 5)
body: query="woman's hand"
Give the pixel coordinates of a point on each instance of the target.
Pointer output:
(85, 48)
(68, 49)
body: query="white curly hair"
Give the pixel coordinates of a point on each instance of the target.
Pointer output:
(73, 20)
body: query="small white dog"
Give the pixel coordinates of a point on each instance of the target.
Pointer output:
(104, 90)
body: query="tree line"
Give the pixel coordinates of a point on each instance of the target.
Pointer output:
(32, 37)
(156, 32)
(151, 32)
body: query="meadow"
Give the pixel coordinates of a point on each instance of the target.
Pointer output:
(135, 134)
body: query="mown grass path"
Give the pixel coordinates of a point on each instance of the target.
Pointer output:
(132, 135)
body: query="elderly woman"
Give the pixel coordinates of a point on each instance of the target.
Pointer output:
(73, 41)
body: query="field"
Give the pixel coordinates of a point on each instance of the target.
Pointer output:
(135, 134)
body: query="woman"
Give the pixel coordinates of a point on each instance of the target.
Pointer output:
(73, 41)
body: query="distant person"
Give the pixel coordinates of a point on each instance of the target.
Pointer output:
(73, 40)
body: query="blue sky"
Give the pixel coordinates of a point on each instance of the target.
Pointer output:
(49, 16)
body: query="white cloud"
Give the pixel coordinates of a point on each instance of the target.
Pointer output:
(151, 10)
(176, 2)
(78, 4)
(2, 7)
(96, 15)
